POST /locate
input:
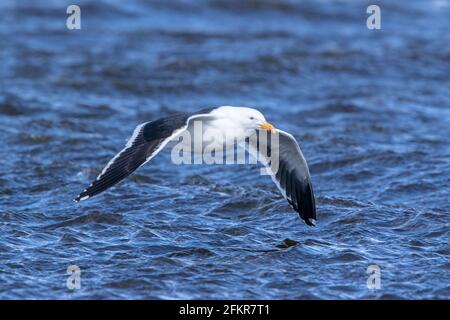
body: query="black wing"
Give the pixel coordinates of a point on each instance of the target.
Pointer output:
(290, 173)
(147, 140)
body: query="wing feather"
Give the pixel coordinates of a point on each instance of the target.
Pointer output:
(292, 176)
(146, 141)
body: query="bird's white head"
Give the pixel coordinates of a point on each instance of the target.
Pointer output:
(248, 118)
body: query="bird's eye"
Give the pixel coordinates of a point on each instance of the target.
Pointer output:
(252, 118)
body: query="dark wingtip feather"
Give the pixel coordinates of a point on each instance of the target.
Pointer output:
(307, 207)
(82, 196)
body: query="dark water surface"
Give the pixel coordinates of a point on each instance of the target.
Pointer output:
(371, 110)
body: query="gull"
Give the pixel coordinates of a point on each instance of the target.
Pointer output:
(290, 175)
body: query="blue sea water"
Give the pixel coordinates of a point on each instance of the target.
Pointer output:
(370, 108)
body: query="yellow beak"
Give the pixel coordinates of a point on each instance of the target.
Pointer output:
(267, 126)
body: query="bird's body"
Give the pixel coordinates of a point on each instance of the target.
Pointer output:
(223, 127)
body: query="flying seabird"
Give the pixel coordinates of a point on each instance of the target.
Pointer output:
(291, 175)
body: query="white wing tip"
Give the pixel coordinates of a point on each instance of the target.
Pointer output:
(78, 199)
